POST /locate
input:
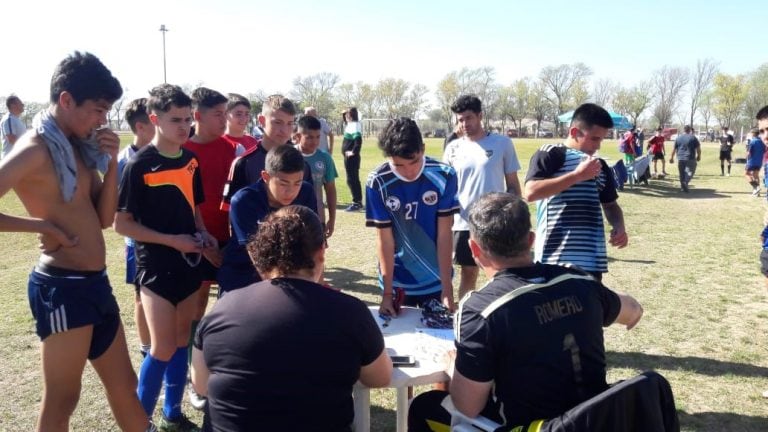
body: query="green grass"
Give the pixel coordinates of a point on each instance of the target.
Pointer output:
(692, 262)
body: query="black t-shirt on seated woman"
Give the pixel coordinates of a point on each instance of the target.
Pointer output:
(283, 354)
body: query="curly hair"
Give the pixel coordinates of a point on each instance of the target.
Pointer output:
(287, 241)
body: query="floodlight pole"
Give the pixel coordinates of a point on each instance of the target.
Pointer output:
(164, 31)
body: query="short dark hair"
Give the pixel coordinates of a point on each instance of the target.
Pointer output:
(286, 241)
(308, 123)
(687, 128)
(85, 77)
(236, 100)
(12, 99)
(284, 159)
(467, 103)
(278, 102)
(137, 112)
(659, 129)
(500, 223)
(163, 96)
(725, 128)
(588, 115)
(204, 98)
(352, 111)
(762, 114)
(401, 137)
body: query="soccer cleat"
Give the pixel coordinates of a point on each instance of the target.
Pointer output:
(182, 424)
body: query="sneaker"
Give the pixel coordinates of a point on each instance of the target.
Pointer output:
(354, 207)
(198, 402)
(182, 424)
(765, 394)
(729, 174)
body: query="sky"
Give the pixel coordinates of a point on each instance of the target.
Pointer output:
(244, 46)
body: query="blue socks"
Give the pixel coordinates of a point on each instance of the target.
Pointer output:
(175, 382)
(150, 381)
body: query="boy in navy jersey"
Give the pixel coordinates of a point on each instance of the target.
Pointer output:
(281, 184)
(411, 201)
(143, 131)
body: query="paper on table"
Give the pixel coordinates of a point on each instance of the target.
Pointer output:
(444, 334)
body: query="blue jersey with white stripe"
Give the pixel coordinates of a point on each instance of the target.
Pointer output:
(412, 209)
(570, 227)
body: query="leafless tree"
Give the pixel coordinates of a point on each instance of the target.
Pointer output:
(604, 91)
(563, 82)
(316, 91)
(540, 106)
(115, 119)
(668, 83)
(701, 81)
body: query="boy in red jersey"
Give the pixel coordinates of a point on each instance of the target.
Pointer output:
(238, 116)
(215, 154)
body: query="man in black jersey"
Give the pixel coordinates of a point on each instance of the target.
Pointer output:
(533, 334)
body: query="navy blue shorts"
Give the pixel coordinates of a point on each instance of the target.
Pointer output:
(62, 300)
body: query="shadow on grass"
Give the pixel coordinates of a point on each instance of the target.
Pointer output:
(671, 189)
(635, 261)
(699, 365)
(721, 421)
(351, 280)
(383, 419)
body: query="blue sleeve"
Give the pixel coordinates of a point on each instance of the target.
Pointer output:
(449, 201)
(376, 212)
(245, 214)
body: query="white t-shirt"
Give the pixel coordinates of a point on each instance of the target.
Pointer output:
(481, 168)
(10, 125)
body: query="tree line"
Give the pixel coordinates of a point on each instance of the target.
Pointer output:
(700, 95)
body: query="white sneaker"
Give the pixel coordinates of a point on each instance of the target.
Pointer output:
(756, 192)
(198, 402)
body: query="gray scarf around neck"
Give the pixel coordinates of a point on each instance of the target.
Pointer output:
(62, 152)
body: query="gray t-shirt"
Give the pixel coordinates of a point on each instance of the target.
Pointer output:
(481, 168)
(10, 125)
(324, 131)
(685, 147)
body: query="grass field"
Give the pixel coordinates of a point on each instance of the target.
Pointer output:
(692, 262)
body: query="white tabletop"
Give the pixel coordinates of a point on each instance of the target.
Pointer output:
(405, 335)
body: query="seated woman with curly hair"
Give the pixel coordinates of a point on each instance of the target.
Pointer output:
(284, 353)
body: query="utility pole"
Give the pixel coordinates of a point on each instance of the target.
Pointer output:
(164, 31)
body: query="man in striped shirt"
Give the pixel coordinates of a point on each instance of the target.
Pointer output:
(571, 186)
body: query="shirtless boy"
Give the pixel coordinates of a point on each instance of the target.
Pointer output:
(77, 317)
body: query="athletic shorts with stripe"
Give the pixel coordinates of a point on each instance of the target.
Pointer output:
(63, 300)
